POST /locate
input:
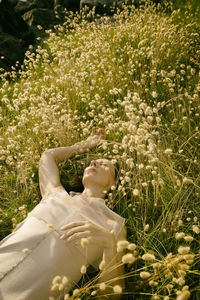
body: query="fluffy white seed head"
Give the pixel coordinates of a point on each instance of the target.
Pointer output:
(55, 287)
(83, 269)
(25, 250)
(122, 245)
(180, 281)
(84, 242)
(148, 257)
(76, 292)
(117, 289)
(128, 258)
(102, 286)
(196, 229)
(135, 192)
(145, 275)
(131, 246)
(179, 235)
(93, 293)
(183, 296)
(187, 180)
(183, 249)
(102, 265)
(56, 279)
(168, 151)
(146, 227)
(188, 238)
(65, 280)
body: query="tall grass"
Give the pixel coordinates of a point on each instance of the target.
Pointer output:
(136, 75)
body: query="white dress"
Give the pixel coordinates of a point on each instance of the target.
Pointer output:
(32, 255)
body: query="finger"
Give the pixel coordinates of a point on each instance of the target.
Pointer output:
(94, 131)
(73, 224)
(78, 235)
(73, 231)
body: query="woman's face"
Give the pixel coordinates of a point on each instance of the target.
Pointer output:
(100, 172)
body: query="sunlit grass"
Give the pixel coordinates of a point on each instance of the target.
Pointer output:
(137, 76)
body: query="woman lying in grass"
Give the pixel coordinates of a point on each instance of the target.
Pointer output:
(63, 235)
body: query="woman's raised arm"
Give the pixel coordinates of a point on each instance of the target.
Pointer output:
(49, 177)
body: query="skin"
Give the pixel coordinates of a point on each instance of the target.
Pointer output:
(98, 177)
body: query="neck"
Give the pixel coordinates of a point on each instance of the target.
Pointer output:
(92, 191)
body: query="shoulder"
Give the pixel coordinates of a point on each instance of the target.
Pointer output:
(55, 191)
(122, 234)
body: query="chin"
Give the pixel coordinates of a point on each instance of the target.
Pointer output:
(91, 180)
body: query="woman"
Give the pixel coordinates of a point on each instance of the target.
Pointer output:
(48, 242)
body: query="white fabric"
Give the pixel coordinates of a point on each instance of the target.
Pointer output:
(33, 254)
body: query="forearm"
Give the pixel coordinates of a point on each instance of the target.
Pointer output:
(49, 177)
(63, 153)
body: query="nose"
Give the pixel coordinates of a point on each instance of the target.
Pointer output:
(93, 163)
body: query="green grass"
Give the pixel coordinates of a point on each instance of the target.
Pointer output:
(138, 77)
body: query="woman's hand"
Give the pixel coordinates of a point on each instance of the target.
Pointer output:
(97, 135)
(84, 229)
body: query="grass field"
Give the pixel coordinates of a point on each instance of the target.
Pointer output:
(136, 75)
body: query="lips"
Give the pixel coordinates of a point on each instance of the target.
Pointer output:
(92, 169)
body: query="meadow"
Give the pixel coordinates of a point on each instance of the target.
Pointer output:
(137, 75)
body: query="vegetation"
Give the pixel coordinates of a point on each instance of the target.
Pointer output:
(136, 75)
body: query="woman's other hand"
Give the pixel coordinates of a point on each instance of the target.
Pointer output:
(97, 135)
(95, 234)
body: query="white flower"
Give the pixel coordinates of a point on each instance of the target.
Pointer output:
(135, 192)
(61, 287)
(93, 293)
(76, 292)
(188, 238)
(180, 281)
(168, 151)
(131, 246)
(56, 279)
(25, 250)
(117, 289)
(55, 287)
(183, 249)
(128, 258)
(102, 286)
(121, 245)
(83, 269)
(180, 222)
(140, 166)
(148, 257)
(144, 275)
(156, 265)
(196, 229)
(146, 227)
(64, 280)
(179, 235)
(188, 256)
(102, 265)
(84, 242)
(183, 296)
(154, 94)
(187, 180)
(50, 226)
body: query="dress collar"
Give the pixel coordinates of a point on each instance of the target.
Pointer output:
(88, 199)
